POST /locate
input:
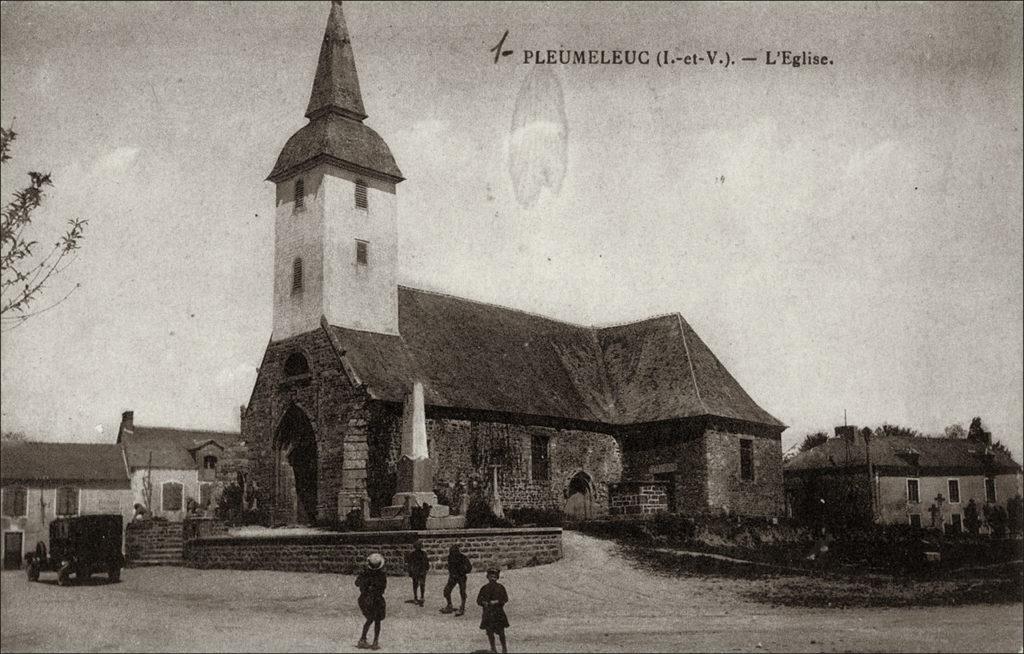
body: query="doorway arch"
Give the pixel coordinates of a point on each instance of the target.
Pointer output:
(297, 467)
(579, 503)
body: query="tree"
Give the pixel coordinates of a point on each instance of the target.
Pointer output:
(813, 440)
(977, 431)
(13, 436)
(896, 430)
(23, 274)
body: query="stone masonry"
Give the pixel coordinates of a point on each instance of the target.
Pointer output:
(346, 553)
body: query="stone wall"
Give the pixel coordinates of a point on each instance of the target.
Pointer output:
(676, 451)
(337, 412)
(151, 542)
(638, 498)
(728, 492)
(346, 553)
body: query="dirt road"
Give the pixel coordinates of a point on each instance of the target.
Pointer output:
(593, 600)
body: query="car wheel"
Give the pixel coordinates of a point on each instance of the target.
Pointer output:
(64, 575)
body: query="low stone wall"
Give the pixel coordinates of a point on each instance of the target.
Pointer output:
(203, 528)
(150, 542)
(346, 553)
(637, 498)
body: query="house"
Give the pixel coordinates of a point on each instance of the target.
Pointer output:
(168, 466)
(41, 481)
(898, 480)
(559, 413)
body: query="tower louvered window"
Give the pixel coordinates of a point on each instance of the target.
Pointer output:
(300, 194)
(361, 200)
(297, 276)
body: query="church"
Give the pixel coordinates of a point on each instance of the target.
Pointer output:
(563, 416)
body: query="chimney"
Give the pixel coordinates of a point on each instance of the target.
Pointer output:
(127, 424)
(846, 432)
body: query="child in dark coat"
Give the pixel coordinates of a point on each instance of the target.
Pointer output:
(371, 582)
(492, 598)
(417, 564)
(458, 568)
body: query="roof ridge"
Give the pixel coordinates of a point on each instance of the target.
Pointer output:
(185, 429)
(689, 362)
(593, 326)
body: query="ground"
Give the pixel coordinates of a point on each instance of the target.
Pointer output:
(593, 600)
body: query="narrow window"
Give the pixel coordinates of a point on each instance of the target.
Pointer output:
(171, 496)
(15, 501)
(954, 491)
(746, 459)
(915, 520)
(913, 491)
(209, 462)
(539, 457)
(361, 200)
(300, 194)
(296, 365)
(362, 252)
(296, 276)
(990, 489)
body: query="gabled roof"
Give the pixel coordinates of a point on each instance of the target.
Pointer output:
(28, 461)
(170, 448)
(472, 355)
(905, 453)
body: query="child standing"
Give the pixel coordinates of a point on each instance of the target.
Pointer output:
(459, 567)
(417, 564)
(492, 597)
(371, 582)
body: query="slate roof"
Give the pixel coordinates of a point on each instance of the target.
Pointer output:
(171, 448)
(29, 461)
(336, 133)
(936, 453)
(472, 355)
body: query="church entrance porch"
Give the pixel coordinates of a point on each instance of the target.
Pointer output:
(580, 503)
(296, 469)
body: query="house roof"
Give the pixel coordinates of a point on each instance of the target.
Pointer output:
(898, 453)
(170, 448)
(83, 462)
(472, 355)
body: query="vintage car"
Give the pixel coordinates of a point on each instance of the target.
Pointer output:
(82, 546)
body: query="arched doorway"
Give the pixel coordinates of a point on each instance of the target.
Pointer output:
(296, 455)
(580, 502)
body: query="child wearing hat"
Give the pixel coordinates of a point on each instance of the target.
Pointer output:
(492, 597)
(371, 582)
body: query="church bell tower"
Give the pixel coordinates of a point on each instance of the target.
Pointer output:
(335, 224)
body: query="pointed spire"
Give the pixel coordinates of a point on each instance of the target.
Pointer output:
(336, 85)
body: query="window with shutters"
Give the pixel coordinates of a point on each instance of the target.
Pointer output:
(15, 501)
(209, 462)
(296, 276)
(170, 496)
(954, 491)
(913, 491)
(990, 489)
(362, 252)
(746, 459)
(67, 501)
(300, 194)
(361, 199)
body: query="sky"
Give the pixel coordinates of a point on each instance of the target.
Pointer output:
(847, 238)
